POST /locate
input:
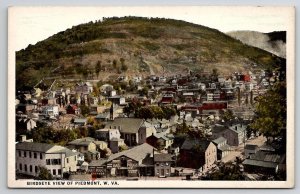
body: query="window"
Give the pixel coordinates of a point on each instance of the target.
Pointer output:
(56, 161)
(25, 166)
(59, 171)
(35, 169)
(67, 160)
(167, 171)
(75, 158)
(20, 154)
(54, 172)
(30, 155)
(20, 166)
(34, 155)
(25, 154)
(41, 156)
(30, 168)
(48, 162)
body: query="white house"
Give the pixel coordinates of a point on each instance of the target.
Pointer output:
(50, 111)
(57, 159)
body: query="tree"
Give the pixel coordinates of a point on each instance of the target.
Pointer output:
(227, 115)
(44, 174)
(98, 68)
(214, 75)
(84, 110)
(123, 148)
(123, 65)
(270, 112)
(114, 63)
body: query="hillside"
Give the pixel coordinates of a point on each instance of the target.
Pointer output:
(136, 46)
(273, 42)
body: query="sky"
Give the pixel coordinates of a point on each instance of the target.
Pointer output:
(28, 25)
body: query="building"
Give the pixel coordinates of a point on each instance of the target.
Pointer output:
(133, 130)
(51, 111)
(25, 124)
(265, 162)
(223, 148)
(87, 146)
(72, 109)
(79, 122)
(134, 162)
(198, 154)
(162, 165)
(57, 159)
(119, 100)
(84, 88)
(107, 134)
(250, 149)
(235, 134)
(160, 140)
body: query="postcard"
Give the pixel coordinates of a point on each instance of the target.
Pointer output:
(151, 97)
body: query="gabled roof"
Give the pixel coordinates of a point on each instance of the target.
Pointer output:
(82, 141)
(189, 144)
(162, 157)
(80, 120)
(137, 153)
(44, 148)
(219, 140)
(37, 147)
(128, 125)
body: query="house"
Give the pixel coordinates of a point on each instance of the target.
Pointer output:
(137, 161)
(223, 148)
(49, 101)
(119, 100)
(87, 146)
(57, 159)
(198, 154)
(51, 111)
(82, 145)
(25, 124)
(162, 165)
(133, 130)
(106, 89)
(115, 143)
(160, 140)
(107, 134)
(79, 122)
(250, 149)
(265, 162)
(93, 101)
(167, 99)
(26, 108)
(72, 109)
(235, 134)
(83, 88)
(103, 117)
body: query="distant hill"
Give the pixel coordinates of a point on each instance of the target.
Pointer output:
(136, 46)
(273, 42)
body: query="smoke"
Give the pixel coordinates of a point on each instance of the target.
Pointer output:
(260, 40)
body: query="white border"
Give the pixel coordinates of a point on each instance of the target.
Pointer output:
(289, 183)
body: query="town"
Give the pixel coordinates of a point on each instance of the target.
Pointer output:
(188, 126)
